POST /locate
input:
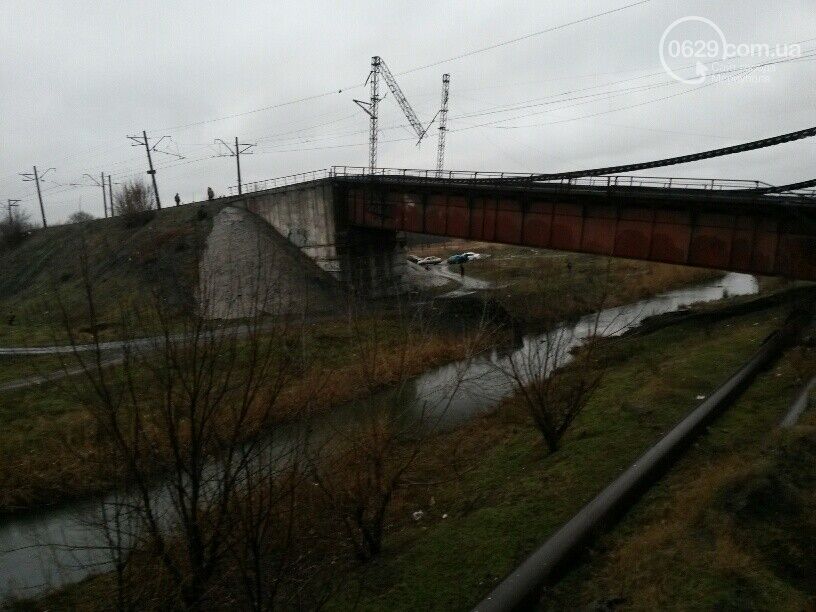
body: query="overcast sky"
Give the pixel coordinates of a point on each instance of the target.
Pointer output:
(78, 77)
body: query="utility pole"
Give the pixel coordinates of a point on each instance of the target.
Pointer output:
(12, 204)
(371, 109)
(34, 176)
(443, 125)
(144, 141)
(104, 196)
(110, 194)
(236, 153)
(375, 101)
(380, 68)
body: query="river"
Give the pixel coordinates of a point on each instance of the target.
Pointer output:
(54, 547)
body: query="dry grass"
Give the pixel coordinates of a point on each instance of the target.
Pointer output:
(502, 495)
(321, 388)
(538, 285)
(50, 451)
(717, 533)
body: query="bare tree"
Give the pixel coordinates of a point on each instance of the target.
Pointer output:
(188, 422)
(221, 505)
(133, 198)
(553, 377)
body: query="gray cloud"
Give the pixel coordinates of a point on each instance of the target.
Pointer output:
(78, 77)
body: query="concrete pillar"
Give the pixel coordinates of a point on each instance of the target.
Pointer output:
(373, 262)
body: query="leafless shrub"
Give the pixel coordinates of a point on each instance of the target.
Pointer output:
(134, 198)
(553, 376)
(80, 216)
(553, 391)
(364, 468)
(14, 228)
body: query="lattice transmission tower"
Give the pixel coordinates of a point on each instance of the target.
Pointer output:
(380, 69)
(443, 125)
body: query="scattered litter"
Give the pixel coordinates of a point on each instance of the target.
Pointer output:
(418, 515)
(701, 397)
(444, 516)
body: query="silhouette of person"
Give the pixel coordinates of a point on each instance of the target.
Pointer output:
(210, 193)
(178, 199)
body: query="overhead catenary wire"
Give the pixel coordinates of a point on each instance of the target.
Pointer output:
(734, 72)
(289, 146)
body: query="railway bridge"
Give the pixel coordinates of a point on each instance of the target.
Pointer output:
(350, 220)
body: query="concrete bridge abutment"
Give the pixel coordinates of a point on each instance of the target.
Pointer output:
(369, 262)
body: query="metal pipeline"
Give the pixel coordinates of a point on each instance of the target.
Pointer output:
(799, 406)
(520, 590)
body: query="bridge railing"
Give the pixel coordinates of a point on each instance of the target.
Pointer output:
(418, 173)
(611, 181)
(626, 180)
(282, 181)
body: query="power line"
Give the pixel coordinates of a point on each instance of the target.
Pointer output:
(526, 37)
(236, 153)
(143, 140)
(12, 204)
(535, 102)
(104, 195)
(340, 90)
(735, 74)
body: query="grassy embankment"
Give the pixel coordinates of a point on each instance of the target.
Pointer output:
(128, 260)
(512, 496)
(13, 368)
(508, 495)
(540, 286)
(732, 528)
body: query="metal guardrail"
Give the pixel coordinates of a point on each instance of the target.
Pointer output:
(282, 181)
(734, 186)
(590, 181)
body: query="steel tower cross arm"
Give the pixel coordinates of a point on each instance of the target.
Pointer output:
(402, 100)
